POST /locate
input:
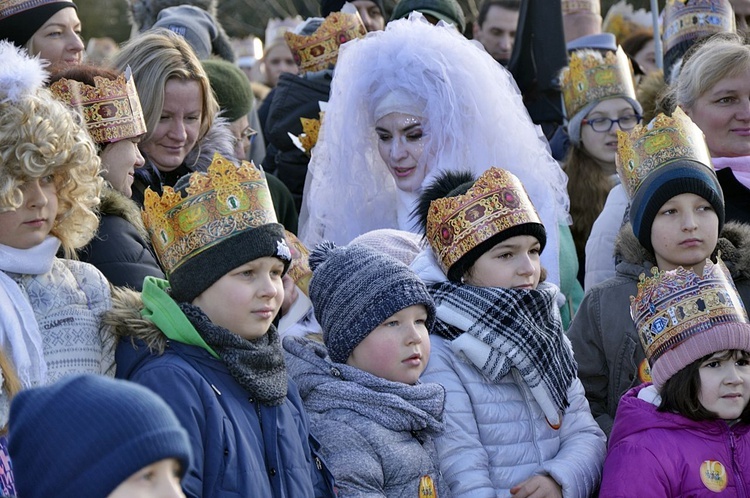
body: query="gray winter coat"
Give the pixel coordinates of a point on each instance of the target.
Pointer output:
(376, 436)
(607, 348)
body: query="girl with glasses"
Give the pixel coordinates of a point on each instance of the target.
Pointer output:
(599, 98)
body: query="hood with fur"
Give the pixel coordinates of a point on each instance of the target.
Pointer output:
(114, 203)
(218, 139)
(124, 320)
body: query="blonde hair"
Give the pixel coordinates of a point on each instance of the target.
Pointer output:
(155, 57)
(721, 56)
(40, 136)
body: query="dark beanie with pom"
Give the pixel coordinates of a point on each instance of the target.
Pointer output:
(84, 435)
(355, 288)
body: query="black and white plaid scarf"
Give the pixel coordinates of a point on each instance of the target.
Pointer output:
(498, 329)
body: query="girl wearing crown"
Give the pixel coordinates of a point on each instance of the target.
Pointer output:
(517, 421)
(112, 112)
(695, 332)
(599, 97)
(204, 339)
(676, 219)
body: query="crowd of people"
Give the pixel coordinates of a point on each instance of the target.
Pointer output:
(358, 264)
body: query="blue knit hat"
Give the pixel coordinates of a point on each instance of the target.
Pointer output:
(84, 435)
(355, 288)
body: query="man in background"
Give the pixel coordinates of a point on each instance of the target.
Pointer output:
(496, 26)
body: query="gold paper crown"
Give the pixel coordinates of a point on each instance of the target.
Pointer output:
(220, 203)
(570, 6)
(496, 202)
(673, 305)
(299, 269)
(320, 50)
(111, 109)
(663, 141)
(622, 20)
(589, 78)
(688, 20)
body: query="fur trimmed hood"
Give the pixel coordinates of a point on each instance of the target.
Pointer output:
(124, 320)
(733, 243)
(218, 139)
(114, 203)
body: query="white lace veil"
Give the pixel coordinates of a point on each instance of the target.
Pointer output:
(473, 118)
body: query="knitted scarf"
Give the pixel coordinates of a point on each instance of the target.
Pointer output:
(257, 365)
(498, 329)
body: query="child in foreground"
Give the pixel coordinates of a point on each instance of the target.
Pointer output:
(374, 420)
(687, 434)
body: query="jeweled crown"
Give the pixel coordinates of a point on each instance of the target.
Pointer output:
(687, 20)
(590, 77)
(622, 20)
(673, 305)
(496, 202)
(570, 6)
(220, 203)
(320, 50)
(111, 109)
(664, 140)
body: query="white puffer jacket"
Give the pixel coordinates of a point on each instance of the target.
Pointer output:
(497, 436)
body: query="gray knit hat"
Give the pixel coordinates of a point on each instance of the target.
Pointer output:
(355, 288)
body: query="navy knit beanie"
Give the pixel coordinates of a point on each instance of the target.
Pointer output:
(680, 177)
(84, 435)
(355, 288)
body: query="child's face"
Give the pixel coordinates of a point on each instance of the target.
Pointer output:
(684, 233)
(28, 225)
(158, 480)
(398, 349)
(245, 300)
(513, 264)
(119, 162)
(602, 145)
(725, 384)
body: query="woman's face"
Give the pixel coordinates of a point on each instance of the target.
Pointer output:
(646, 58)
(179, 125)
(279, 60)
(119, 162)
(401, 142)
(602, 145)
(59, 39)
(723, 114)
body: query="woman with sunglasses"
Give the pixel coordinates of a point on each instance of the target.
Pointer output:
(599, 98)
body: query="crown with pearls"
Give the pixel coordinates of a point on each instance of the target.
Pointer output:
(676, 305)
(590, 77)
(221, 202)
(320, 50)
(496, 202)
(688, 20)
(111, 109)
(664, 140)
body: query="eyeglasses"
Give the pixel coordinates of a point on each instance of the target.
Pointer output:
(603, 125)
(248, 134)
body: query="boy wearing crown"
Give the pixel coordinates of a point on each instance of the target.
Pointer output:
(204, 340)
(695, 332)
(676, 220)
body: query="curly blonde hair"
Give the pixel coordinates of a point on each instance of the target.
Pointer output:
(40, 136)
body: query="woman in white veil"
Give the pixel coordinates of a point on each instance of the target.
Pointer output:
(472, 117)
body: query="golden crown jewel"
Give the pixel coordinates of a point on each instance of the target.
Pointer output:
(622, 20)
(111, 109)
(673, 305)
(496, 202)
(570, 6)
(320, 50)
(220, 203)
(687, 20)
(590, 77)
(664, 140)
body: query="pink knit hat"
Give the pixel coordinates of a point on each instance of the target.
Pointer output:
(681, 317)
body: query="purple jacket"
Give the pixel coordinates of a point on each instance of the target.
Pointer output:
(661, 454)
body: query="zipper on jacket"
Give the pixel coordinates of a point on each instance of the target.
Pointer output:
(737, 473)
(532, 422)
